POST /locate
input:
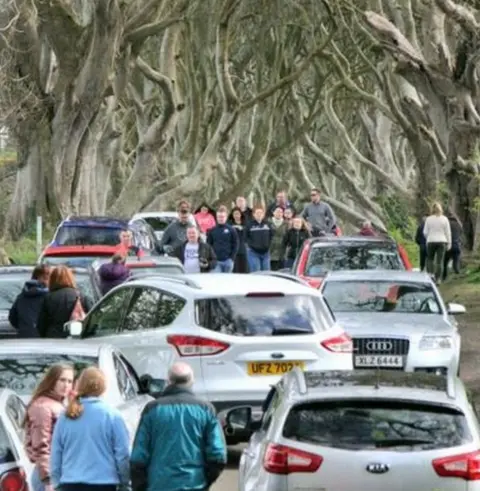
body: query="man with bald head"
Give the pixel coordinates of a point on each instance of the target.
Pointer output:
(179, 445)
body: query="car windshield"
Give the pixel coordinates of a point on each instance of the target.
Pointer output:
(263, 315)
(71, 261)
(159, 224)
(325, 257)
(144, 270)
(381, 296)
(23, 372)
(71, 235)
(367, 424)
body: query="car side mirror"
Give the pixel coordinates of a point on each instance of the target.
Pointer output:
(456, 309)
(74, 328)
(239, 422)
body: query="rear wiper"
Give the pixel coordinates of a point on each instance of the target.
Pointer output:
(281, 331)
(397, 442)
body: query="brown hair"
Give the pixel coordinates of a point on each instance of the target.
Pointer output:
(258, 207)
(47, 384)
(91, 383)
(119, 258)
(61, 277)
(40, 271)
(222, 209)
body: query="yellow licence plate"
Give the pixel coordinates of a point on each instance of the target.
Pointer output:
(273, 367)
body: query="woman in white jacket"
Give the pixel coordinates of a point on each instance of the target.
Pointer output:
(439, 240)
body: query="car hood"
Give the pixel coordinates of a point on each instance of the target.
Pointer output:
(384, 324)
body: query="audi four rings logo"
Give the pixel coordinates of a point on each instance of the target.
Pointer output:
(379, 346)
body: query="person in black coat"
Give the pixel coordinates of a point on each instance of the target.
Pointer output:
(422, 244)
(24, 312)
(59, 303)
(195, 255)
(294, 239)
(238, 223)
(258, 238)
(454, 253)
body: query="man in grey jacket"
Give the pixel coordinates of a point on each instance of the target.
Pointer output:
(175, 234)
(319, 215)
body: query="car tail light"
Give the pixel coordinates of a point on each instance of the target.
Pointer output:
(339, 344)
(196, 345)
(280, 459)
(464, 466)
(13, 480)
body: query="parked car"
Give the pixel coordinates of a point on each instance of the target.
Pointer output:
(79, 240)
(239, 335)
(397, 320)
(358, 431)
(12, 280)
(320, 255)
(160, 220)
(15, 466)
(24, 362)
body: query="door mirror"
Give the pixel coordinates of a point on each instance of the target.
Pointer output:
(456, 309)
(238, 421)
(74, 328)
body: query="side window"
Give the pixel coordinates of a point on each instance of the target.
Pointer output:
(272, 407)
(131, 373)
(16, 413)
(142, 311)
(125, 382)
(105, 319)
(169, 308)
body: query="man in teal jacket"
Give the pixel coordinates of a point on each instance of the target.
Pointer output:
(179, 445)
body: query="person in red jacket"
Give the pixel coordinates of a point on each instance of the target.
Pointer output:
(126, 246)
(367, 229)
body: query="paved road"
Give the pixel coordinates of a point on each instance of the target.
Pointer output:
(228, 480)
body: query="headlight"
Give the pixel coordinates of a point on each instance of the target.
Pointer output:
(436, 342)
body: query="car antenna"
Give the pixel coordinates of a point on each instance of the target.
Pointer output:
(377, 377)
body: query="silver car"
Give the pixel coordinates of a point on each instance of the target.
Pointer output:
(397, 320)
(361, 431)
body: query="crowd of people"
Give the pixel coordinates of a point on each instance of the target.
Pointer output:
(78, 442)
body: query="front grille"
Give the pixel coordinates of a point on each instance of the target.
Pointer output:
(380, 346)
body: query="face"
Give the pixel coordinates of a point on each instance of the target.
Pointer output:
(315, 196)
(237, 216)
(281, 197)
(64, 384)
(259, 214)
(183, 216)
(297, 223)
(288, 214)
(221, 217)
(192, 234)
(278, 213)
(204, 209)
(241, 202)
(126, 238)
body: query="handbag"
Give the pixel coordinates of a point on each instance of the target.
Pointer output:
(78, 314)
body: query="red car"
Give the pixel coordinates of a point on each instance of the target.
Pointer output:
(320, 255)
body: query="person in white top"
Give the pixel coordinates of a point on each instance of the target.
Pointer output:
(439, 240)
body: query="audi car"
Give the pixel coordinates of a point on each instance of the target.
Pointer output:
(397, 320)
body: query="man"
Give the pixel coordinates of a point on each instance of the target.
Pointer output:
(223, 239)
(24, 312)
(282, 202)
(195, 255)
(258, 239)
(126, 246)
(319, 215)
(179, 443)
(175, 234)
(241, 204)
(367, 229)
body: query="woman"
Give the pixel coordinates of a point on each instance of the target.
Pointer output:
(439, 240)
(90, 446)
(238, 223)
(42, 413)
(294, 239)
(205, 218)
(113, 273)
(277, 251)
(288, 215)
(258, 237)
(59, 305)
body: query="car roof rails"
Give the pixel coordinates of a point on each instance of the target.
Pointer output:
(285, 276)
(295, 382)
(172, 278)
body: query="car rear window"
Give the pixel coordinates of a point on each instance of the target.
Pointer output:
(23, 372)
(159, 224)
(71, 261)
(366, 424)
(325, 258)
(263, 315)
(7, 452)
(71, 235)
(146, 270)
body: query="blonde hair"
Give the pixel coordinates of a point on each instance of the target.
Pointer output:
(437, 209)
(91, 383)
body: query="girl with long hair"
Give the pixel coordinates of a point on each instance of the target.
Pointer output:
(91, 444)
(42, 414)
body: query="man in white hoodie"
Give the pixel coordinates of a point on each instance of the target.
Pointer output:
(439, 240)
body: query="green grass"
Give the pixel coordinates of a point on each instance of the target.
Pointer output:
(7, 157)
(22, 251)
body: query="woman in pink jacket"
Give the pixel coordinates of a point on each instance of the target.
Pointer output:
(205, 218)
(43, 411)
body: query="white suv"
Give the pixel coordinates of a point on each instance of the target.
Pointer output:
(240, 333)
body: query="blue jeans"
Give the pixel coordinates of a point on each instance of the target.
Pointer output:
(258, 261)
(37, 484)
(224, 266)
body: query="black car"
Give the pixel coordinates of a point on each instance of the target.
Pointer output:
(12, 280)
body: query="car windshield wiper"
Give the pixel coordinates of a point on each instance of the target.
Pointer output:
(397, 442)
(285, 330)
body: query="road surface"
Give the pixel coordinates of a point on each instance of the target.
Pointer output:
(228, 480)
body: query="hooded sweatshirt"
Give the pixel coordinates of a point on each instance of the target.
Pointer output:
(258, 236)
(24, 312)
(112, 275)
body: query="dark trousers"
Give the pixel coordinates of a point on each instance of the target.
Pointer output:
(276, 265)
(423, 256)
(241, 264)
(452, 255)
(78, 486)
(435, 257)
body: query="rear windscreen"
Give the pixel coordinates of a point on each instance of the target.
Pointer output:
(263, 315)
(160, 224)
(363, 424)
(157, 270)
(71, 261)
(69, 236)
(325, 258)
(6, 448)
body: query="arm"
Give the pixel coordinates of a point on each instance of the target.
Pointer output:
(332, 219)
(13, 314)
(166, 239)
(425, 228)
(304, 213)
(448, 233)
(209, 238)
(141, 453)
(56, 454)
(121, 449)
(41, 420)
(212, 258)
(235, 243)
(215, 451)
(42, 321)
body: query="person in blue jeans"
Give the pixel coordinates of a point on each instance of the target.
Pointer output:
(223, 239)
(258, 238)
